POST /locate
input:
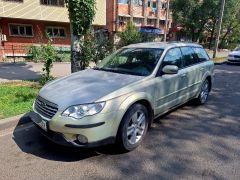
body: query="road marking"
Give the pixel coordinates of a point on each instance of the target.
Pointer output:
(9, 131)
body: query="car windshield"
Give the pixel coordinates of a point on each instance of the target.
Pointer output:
(237, 49)
(134, 61)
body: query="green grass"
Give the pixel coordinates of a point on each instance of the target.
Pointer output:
(17, 98)
(219, 59)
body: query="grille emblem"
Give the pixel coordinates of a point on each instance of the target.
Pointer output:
(43, 104)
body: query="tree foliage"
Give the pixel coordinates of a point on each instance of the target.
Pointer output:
(201, 17)
(81, 14)
(49, 55)
(194, 15)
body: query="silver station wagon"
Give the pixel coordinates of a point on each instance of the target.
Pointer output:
(117, 101)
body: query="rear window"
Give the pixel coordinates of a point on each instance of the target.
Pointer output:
(201, 54)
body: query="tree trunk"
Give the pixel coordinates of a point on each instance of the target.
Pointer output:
(76, 53)
(193, 34)
(222, 40)
(229, 29)
(212, 34)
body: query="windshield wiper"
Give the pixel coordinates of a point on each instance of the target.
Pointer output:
(117, 71)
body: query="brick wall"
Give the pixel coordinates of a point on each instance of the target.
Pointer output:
(39, 35)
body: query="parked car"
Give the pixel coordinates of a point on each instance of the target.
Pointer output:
(117, 101)
(234, 56)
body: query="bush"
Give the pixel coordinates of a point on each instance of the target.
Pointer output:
(49, 54)
(103, 49)
(130, 35)
(35, 53)
(88, 50)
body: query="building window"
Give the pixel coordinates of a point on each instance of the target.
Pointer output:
(151, 22)
(53, 2)
(123, 20)
(56, 32)
(21, 30)
(164, 5)
(137, 21)
(162, 22)
(123, 1)
(15, 0)
(138, 2)
(152, 4)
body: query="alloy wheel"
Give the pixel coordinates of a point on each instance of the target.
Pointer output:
(136, 127)
(204, 92)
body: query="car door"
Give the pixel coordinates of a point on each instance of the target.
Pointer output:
(169, 89)
(191, 64)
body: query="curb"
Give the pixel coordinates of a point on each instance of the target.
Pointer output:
(220, 63)
(14, 121)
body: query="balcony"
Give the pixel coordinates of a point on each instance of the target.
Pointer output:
(45, 10)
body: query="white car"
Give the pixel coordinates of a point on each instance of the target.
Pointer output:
(234, 56)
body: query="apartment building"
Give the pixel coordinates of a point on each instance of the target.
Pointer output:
(26, 22)
(148, 15)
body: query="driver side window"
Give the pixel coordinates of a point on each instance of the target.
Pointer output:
(173, 57)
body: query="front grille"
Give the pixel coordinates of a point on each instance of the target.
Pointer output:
(45, 108)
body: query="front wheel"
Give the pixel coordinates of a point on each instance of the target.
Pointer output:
(133, 127)
(204, 93)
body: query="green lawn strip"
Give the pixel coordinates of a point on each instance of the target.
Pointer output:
(16, 98)
(219, 59)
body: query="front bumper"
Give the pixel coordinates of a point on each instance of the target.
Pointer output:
(59, 138)
(99, 130)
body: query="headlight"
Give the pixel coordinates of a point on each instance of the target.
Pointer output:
(80, 111)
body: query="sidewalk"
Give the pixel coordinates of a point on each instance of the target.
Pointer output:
(30, 71)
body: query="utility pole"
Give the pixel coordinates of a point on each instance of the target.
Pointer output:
(166, 22)
(219, 28)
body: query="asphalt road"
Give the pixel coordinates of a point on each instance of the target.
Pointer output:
(192, 142)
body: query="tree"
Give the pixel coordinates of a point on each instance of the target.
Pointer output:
(231, 23)
(88, 50)
(198, 17)
(81, 15)
(194, 15)
(130, 35)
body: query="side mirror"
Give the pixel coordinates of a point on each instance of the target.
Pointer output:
(170, 69)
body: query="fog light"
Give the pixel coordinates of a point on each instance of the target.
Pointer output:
(82, 139)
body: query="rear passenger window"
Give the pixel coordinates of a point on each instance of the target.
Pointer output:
(189, 56)
(173, 57)
(201, 54)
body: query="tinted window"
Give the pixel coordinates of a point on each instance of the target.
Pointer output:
(201, 54)
(173, 57)
(189, 56)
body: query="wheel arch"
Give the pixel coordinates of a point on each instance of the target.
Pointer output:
(141, 98)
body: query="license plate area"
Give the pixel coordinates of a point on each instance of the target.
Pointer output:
(43, 125)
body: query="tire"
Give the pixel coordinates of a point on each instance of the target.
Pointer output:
(204, 93)
(133, 128)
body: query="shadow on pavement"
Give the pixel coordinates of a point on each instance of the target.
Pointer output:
(196, 142)
(17, 71)
(31, 141)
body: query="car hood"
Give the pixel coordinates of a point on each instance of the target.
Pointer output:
(85, 87)
(235, 53)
